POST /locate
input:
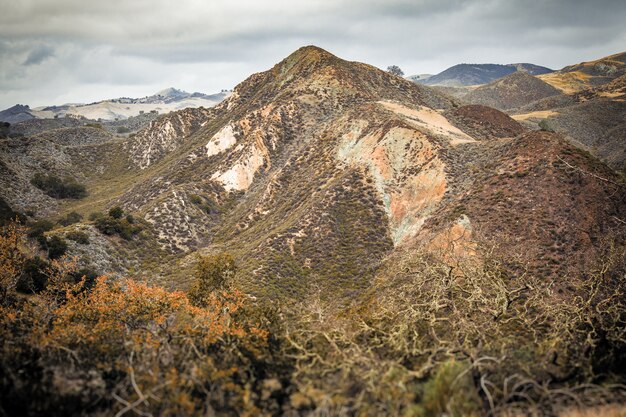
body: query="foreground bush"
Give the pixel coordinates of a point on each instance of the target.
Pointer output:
(128, 347)
(428, 340)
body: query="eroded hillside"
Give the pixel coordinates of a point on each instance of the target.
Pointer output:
(314, 172)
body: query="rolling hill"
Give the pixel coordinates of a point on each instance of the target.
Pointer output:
(462, 75)
(164, 101)
(512, 91)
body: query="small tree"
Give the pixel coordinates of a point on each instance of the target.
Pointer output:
(116, 212)
(545, 126)
(212, 273)
(395, 70)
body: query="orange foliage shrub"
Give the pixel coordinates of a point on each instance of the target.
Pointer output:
(127, 347)
(169, 356)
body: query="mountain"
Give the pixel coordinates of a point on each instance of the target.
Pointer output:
(574, 78)
(514, 90)
(475, 74)
(314, 172)
(15, 114)
(383, 242)
(590, 110)
(164, 101)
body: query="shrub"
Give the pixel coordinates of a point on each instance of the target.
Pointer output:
(544, 126)
(116, 212)
(110, 225)
(33, 277)
(7, 215)
(11, 262)
(39, 227)
(96, 215)
(212, 273)
(57, 247)
(70, 218)
(450, 392)
(123, 129)
(78, 237)
(56, 187)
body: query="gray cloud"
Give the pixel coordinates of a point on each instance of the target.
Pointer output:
(72, 50)
(38, 54)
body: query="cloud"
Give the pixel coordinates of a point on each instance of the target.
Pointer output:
(74, 50)
(39, 54)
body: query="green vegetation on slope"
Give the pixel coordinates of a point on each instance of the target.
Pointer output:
(428, 339)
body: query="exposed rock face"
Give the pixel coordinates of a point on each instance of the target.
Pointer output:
(165, 135)
(15, 114)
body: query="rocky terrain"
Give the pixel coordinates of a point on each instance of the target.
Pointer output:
(17, 113)
(315, 153)
(346, 241)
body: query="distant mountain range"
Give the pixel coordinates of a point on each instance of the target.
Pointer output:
(121, 108)
(474, 74)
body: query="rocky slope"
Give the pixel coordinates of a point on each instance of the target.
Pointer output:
(594, 118)
(15, 114)
(314, 172)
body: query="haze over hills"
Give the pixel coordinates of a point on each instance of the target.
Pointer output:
(164, 101)
(390, 240)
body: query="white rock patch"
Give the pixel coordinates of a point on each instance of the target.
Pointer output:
(240, 176)
(222, 140)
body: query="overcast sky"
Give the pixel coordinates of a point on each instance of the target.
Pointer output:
(54, 52)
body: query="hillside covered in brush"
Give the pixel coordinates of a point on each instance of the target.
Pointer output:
(331, 239)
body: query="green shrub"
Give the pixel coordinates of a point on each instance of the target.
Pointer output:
(116, 212)
(56, 187)
(96, 215)
(110, 225)
(450, 392)
(39, 227)
(78, 237)
(123, 129)
(71, 218)
(33, 277)
(57, 247)
(544, 126)
(212, 273)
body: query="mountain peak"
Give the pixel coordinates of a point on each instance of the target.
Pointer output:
(303, 60)
(171, 92)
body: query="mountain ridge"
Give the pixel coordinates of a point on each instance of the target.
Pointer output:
(462, 75)
(169, 99)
